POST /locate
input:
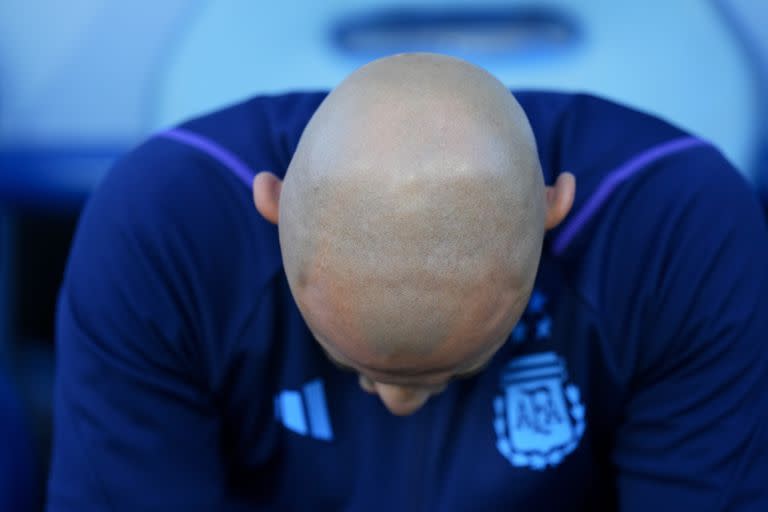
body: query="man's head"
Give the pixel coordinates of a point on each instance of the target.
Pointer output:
(411, 222)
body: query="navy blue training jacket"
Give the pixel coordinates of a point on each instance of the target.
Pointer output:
(637, 379)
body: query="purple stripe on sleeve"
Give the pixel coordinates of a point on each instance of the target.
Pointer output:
(214, 150)
(613, 180)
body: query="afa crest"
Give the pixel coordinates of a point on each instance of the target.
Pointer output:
(539, 418)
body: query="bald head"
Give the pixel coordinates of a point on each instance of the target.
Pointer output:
(412, 213)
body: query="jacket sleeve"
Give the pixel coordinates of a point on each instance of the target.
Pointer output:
(135, 424)
(692, 250)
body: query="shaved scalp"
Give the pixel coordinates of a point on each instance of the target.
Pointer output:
(413, 206)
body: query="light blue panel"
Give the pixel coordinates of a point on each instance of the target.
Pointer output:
(87, 71)
(317, 409)
(292, 412)
(674, 59)
(83, 72)
(753, 17)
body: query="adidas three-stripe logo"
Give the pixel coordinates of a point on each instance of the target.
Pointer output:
(305, 412)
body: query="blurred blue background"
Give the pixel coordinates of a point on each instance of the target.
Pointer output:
(82, 81)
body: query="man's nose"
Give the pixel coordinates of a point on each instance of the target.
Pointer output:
(402, 401)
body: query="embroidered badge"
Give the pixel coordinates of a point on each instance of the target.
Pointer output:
(539, 418)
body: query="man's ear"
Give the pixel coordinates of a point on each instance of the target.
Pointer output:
(559, 199)
(266, 195)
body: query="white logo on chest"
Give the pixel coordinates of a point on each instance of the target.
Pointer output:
(305, 412)
(539, 418)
